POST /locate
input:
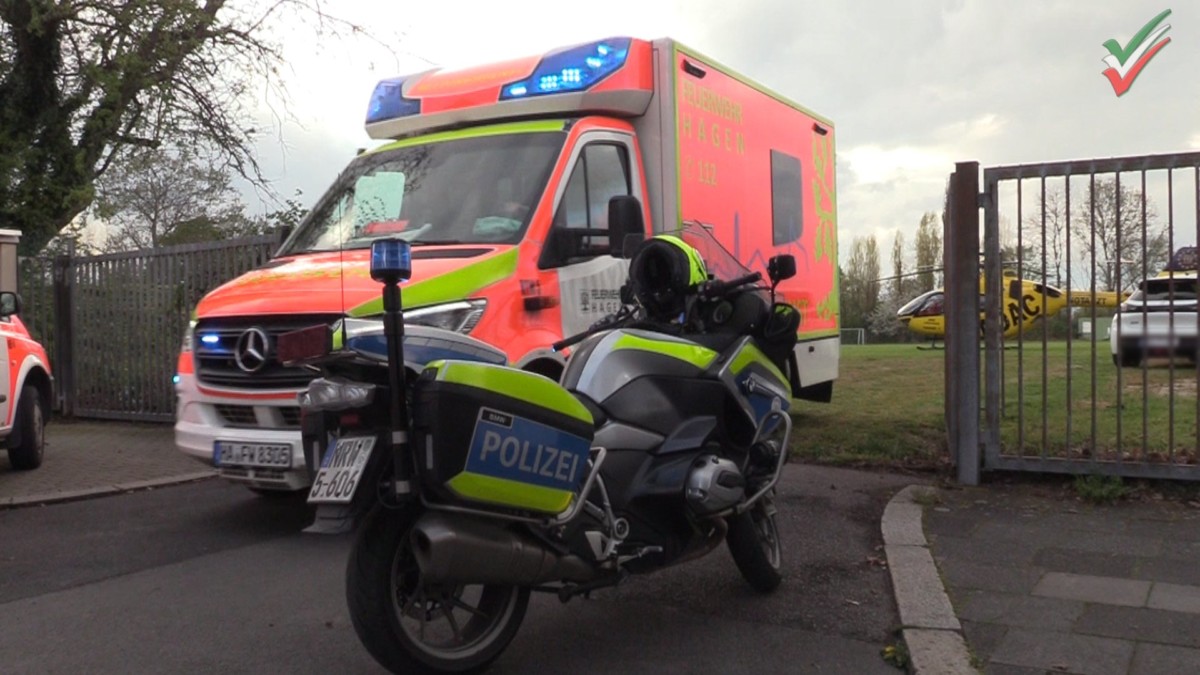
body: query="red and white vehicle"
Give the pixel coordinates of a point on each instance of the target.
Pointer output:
(25, 380)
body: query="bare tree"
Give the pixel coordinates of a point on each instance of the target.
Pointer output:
(1050, 220)
(167, 196)
(81, 81)
(1118, 229)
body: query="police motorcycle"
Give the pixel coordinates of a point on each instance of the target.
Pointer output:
(664, 438)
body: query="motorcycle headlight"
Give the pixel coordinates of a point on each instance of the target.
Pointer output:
(335, 394)
(460, 317)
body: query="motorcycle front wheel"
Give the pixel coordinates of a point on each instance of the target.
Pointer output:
(411, 626)
(753, 541)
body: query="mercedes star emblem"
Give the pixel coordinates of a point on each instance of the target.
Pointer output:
(251, 350)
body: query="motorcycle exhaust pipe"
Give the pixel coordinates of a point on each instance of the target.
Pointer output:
(461, 549)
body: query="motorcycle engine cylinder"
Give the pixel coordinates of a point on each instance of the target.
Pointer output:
(714, 484)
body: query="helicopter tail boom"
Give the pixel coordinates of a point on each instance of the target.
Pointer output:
(1109, 299)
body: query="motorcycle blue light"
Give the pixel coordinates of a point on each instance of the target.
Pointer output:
(391, 260)
(574, 69)
(388, 102)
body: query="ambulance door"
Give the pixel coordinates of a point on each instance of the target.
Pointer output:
(6, 374)
(589, 279)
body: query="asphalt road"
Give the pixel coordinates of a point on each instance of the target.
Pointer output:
(209, 577)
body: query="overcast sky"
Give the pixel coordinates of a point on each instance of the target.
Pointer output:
(912, 87)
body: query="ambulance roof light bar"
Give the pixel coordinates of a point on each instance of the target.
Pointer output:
(574, 69)
(388, 102)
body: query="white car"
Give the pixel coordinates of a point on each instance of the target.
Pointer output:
(1158, 319)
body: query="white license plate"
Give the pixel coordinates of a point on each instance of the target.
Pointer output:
(341, 470)
(268, 455)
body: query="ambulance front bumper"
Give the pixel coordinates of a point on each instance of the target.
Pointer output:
(253, 442)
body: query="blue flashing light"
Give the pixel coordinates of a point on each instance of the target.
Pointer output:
(574, 69)
(210, 339)
(391, 259)
(388, 102)
(175, 379)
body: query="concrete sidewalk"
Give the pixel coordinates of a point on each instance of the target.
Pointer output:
(1045, 583)
(85, 459)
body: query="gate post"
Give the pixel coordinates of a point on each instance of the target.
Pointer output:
(64, 338)
(961, 260)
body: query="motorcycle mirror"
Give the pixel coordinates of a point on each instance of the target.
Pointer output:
(781, 267)
(626, 226)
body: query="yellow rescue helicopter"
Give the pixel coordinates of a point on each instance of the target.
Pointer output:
(1024, 303)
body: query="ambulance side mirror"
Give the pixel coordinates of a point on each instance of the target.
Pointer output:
(626, 227)
(10, 304)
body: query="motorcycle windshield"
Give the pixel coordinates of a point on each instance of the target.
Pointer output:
(720, 263)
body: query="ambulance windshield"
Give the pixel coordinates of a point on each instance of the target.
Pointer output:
(472, 190)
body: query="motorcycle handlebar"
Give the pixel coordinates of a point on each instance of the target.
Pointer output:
(712, 290)
(600, 325)
(567, 342)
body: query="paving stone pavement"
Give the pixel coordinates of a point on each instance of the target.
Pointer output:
(1045, 583)
(85, 459)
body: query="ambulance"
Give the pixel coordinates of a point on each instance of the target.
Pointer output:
(500, 177)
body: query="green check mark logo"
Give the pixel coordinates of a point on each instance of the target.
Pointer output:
(1126, 62)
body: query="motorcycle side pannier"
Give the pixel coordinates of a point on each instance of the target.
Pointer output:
(491, 436)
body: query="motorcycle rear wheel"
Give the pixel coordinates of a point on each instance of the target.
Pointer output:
(753, 541)
(412, 627)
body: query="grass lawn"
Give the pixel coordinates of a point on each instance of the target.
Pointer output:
(887, 409)
(888, 403)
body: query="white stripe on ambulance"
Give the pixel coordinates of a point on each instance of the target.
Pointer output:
(515, 452)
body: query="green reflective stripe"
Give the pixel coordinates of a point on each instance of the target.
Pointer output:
(751, 354)
(694, 354)
(529, 387)
(448, 287)
(510, 493)
(339, 332)
(531, 127)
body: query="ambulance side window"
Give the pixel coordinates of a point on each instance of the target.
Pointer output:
(600, 173)
(787, 214)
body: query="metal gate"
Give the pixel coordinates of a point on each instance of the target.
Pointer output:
(113, 323)
(1067, 242)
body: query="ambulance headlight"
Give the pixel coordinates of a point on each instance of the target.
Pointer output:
(335, 394)
(460, 317)
(574, 69)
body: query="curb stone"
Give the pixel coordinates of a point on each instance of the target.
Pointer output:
(71, 495)
(931, 630)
